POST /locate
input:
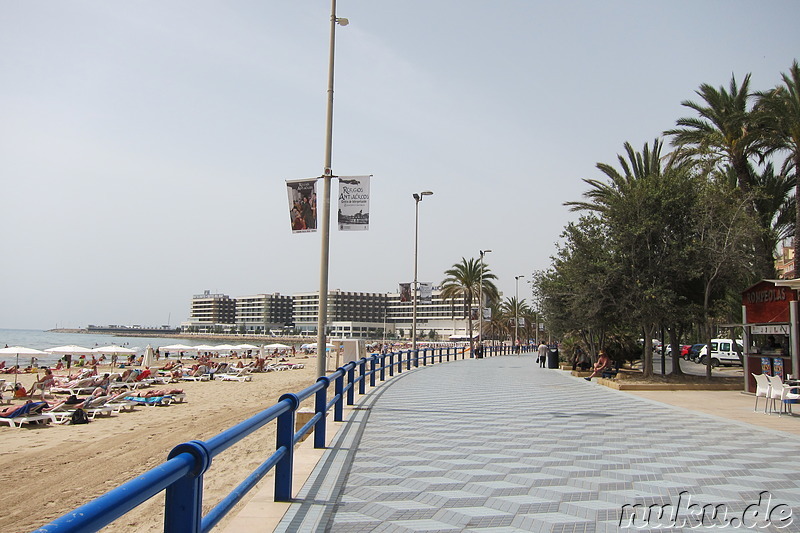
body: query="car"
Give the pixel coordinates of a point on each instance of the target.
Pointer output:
(723, 352)
(684, 349)
(693, 351)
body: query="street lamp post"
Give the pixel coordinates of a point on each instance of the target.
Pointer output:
(417, 200)
(324, 220)
(480, 301)
(516, 312)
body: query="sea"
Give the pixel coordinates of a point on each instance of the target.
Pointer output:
(41, 340)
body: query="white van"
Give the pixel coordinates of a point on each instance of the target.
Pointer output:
(723, 352)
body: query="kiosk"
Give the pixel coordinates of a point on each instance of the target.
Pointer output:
(769, 316)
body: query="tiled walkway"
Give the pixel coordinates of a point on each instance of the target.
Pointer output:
(501, 445)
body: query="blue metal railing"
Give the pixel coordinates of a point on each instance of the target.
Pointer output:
(181, 476)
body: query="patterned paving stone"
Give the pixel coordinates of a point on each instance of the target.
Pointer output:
(501, 446)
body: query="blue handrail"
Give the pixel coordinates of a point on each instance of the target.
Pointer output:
(181, 476)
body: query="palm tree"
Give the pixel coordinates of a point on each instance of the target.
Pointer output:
(511, 309)
(775, 208)
(497, 324)
(778, 111)
(464, 280)
(725, 131)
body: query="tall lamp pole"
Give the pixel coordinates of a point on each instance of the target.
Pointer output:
(516, 312)
(480, 300)
(417, 200)
(324, 221)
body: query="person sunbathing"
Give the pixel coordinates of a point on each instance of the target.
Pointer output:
(42, 383)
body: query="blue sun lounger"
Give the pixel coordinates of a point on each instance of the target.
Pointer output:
(26, 414)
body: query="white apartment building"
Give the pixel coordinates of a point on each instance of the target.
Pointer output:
(261, 313)
(350, 314)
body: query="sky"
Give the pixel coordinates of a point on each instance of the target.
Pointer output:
(145, 146)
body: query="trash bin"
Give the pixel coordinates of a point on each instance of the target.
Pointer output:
(552, 358)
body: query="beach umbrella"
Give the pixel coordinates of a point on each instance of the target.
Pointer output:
(69, 349)
(246, 347)
(20, 350)
(178, 348)
(278, 346)
(149, 356)
(113, 350)
(204, 348)
(225, 347)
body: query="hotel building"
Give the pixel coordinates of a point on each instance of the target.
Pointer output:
(350, 314)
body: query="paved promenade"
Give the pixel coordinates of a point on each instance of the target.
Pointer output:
(501, 445)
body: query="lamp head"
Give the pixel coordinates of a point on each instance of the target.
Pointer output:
(417, 197)
(342, 21)
(426, 193)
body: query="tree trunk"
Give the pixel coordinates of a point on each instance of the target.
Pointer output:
(676, 352)
(647, 361)
(797, 215)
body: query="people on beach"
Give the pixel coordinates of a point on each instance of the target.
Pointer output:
(19, 391)
(44, 382)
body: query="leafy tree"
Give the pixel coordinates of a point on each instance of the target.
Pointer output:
(579, 293)
(778, 113)
(645, 207)
(723, 255)
(464, 280)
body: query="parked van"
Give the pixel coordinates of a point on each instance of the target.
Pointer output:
(723, 352)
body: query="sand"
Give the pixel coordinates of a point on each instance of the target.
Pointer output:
(49, 470)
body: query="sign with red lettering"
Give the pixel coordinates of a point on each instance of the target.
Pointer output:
(766, 303)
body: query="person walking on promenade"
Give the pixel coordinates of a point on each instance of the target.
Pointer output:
(542, 354)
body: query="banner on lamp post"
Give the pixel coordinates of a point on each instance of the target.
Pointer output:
(405, 292)
(302, 205)
(353, 203)
(426, 292)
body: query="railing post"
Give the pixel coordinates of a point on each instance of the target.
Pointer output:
(284, 438)
(320, 403)
(391, 364)
(338, 390)
(383, 366)
(362, 375)
(351, 381)
(372, 367)
(416, 358)
(183, 506)
(408, 361)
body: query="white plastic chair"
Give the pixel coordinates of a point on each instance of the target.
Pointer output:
(762, 390)
(775, 390)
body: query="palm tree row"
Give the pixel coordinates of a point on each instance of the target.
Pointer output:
(669, 241)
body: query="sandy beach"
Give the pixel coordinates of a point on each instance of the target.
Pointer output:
(50, 470)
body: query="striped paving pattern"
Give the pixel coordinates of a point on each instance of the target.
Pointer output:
(501, 445)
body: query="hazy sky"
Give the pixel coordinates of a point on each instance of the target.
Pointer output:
(144, 146)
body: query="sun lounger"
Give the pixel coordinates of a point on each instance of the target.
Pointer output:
(158, 397)
(236, 374)
(28, 413)
(75, 388)
(150, 401)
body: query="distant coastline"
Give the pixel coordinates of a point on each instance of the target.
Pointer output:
(131, 332)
